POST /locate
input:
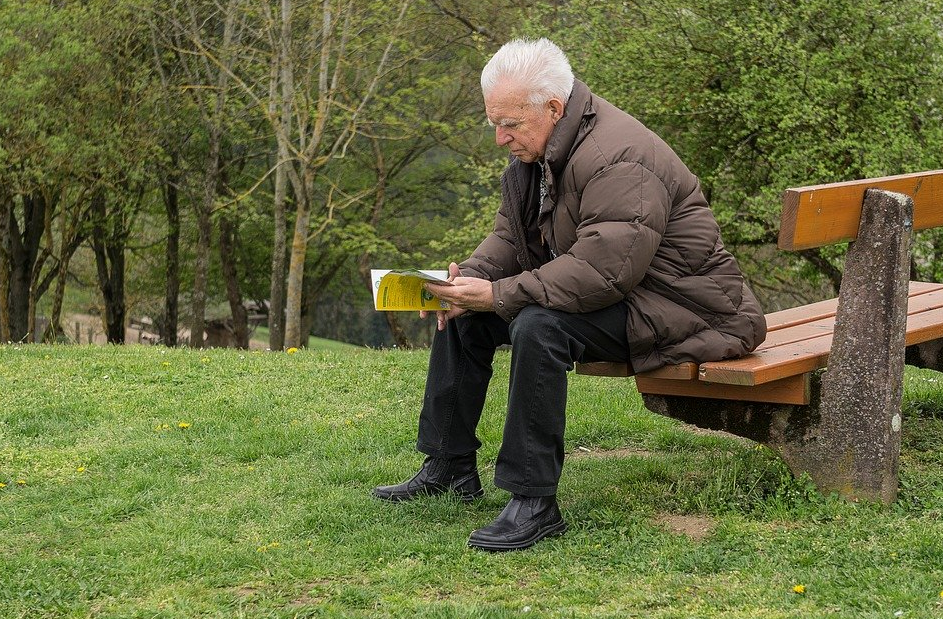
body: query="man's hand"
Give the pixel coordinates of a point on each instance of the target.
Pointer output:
(465, 293)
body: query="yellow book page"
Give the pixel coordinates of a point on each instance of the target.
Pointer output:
(403, 291)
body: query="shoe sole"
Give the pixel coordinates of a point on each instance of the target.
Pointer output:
(399, 498)
(557, 528)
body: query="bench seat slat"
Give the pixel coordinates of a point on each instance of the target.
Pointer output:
(921, 299)
(799, 333)
(607, 368)
(789, 390)
(681, 371)
(769, 364)
(799, 341)
(787, 318)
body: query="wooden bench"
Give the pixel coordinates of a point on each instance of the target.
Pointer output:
(825, 388)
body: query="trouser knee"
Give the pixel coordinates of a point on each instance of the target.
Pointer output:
(535, 323)
(540, 331)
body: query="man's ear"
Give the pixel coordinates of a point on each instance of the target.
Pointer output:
(556, 109)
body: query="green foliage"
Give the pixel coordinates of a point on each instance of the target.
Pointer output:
(73, 106)
(479, 203)
(755, 96)
(760, 96)
(181, 483)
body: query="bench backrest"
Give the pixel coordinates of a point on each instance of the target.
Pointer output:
(820, 215)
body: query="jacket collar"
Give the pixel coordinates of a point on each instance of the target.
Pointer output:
(577, 119)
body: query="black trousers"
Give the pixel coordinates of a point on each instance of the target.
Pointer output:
(544, 345)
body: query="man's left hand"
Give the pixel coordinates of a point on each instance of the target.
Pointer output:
(468, 293)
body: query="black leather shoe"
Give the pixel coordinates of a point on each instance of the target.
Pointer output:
(524, 522)
(437, 476)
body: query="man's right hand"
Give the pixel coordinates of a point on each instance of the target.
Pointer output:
(443, 316)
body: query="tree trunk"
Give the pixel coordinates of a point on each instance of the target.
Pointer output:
(397, 331)
(108, 246)
(363, 266)
(227, 256)
(19, 294)
(69, 240)
(6, 210)
(168, 324)
(296, 265)
(54, 328)
(400, 337)
(317, 277)
(214, 123)
(284, 77)
(204, 231)
(276, 314)
(24, 255)
(115, 309)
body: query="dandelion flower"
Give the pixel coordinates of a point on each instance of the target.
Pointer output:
(292, 350)
(3, 485)
(183, 425)
(20, 482)
(800, 589)
(941, 594)
(80, 469)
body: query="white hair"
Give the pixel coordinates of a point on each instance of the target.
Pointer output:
(538, 66)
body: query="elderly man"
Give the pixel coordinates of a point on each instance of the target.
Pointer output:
(604, 248)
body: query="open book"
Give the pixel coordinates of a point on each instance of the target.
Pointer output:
(395, 291)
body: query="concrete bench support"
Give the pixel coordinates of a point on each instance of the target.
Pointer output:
(863, 387)
(848, 437)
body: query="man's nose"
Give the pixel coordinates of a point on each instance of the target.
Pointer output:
(502, 136)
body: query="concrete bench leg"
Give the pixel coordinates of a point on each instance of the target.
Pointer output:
(848, 438)
(794, 432)
(859, 432)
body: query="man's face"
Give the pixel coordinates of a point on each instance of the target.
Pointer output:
(524, 128)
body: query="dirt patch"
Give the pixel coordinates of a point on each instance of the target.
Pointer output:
(245, 591)
(88, 329)
(621, 452)
(720, 433)
(317, 592)
(693, 527)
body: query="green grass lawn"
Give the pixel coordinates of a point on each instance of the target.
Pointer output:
(152, 482)
(260, 335)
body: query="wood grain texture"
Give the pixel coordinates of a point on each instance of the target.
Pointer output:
(820, 215)
(798, 350)
(790, 390)
(799, 341)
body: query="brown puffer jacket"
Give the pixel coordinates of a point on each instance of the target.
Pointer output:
(624, 221)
